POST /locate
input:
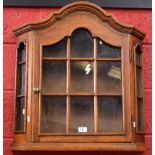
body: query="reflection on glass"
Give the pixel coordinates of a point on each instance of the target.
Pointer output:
(82, 114)
(140, 115)
(56, 50)
(109, 77)
(53, 114)
(21, 79)
(54, 77)
(81, 44)
(82, 77)
(20, 114)
(107, 51)
(110, 114)
(139, 81)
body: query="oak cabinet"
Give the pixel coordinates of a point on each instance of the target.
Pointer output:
(79, 83)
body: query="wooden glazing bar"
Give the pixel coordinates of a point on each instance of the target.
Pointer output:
(108, 59)
(81, 94)
(96, 113)
(54, 59)
(77, 59)
(40, 86)
(109, 94)
(68, 85)
(93, 59)
(95, 66)
(95, 88)
(54, 94)
(82, 59)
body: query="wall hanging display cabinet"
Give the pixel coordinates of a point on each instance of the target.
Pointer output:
(79, 83)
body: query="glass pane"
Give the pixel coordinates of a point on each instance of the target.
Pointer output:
(53, 114)
(82, 77)
(138, 55)
(139, 81)
(140, 115)
(54, 77)
(109, 77)
(107, 51)
(20, 114)
(82, 114)
(21, 52)
(110, 114)
(21, 79)
(138, 59)
(56, 50)
(81, 44)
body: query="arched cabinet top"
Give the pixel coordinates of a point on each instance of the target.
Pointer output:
(77, 7)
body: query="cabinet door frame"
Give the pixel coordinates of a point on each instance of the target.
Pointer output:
(53, 34)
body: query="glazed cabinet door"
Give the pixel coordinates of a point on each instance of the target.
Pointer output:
(82, 78)
(81, 95)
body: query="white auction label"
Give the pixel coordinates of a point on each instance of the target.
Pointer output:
(82, 129)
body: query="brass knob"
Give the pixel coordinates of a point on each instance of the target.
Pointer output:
(36, 90)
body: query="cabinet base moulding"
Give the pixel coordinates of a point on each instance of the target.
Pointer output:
(79, 147)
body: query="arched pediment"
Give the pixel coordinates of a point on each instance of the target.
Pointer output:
(81, 6)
